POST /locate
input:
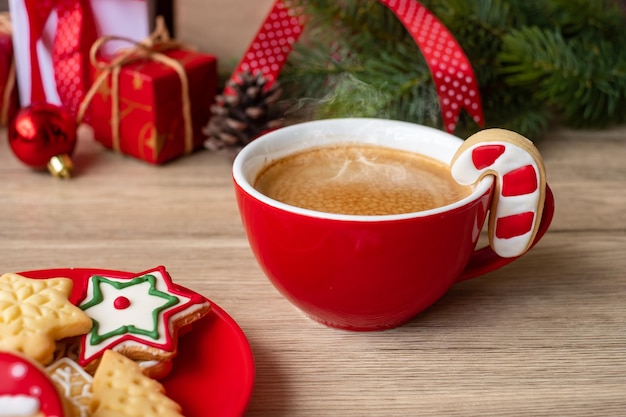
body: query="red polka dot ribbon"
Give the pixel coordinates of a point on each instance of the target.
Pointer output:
(273, 42)
(451, 70)
(75, 33)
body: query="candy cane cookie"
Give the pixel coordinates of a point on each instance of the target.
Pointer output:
(520, 185)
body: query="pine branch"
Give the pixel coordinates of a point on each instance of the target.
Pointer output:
(535, 61)
(346, 71)
(595, 19)
(584, 80)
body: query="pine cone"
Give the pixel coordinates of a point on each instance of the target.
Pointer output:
(243, 114)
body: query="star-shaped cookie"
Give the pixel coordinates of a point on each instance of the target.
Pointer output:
(34, 313)
(139, 316)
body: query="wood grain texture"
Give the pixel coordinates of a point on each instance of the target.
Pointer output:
(544, 336)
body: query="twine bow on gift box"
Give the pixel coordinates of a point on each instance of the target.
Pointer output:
(151, 48)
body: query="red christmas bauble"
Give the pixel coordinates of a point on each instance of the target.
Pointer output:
(44, 135)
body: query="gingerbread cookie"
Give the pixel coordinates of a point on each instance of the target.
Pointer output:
(519, 195)
(34, 313)
(139, 317)
(26, 390)
(121, 389)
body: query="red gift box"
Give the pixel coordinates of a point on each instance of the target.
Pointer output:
(153, 106)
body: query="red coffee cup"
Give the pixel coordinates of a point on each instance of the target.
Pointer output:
(358, 272)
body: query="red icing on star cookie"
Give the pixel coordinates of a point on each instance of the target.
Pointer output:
(26, 390)
(121, 303)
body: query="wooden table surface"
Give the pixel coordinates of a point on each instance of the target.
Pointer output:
(545, 335)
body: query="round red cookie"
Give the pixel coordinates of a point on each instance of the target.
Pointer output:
(26, 390)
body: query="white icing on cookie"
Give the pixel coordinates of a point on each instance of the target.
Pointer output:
(74, 383)
(18, 406)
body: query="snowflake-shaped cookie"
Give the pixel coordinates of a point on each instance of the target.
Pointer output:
(34, 313)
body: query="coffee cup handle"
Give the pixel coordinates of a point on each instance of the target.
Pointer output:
(485, 260)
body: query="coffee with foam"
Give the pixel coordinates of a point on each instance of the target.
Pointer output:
(360, 180)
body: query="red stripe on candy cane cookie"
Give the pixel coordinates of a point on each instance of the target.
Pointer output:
(519, 193)
(520, 181)
(514, 225)
(485, 156)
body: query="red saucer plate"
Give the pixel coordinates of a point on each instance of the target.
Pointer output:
(213, 374)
